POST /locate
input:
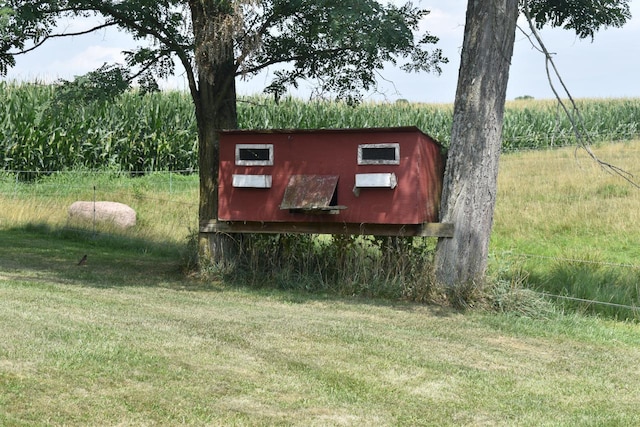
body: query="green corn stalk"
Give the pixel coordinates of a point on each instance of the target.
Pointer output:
(158, 131)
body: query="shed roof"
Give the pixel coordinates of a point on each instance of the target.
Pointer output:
(399, 129)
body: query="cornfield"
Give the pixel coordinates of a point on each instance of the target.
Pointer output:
(133, 133)
(158, 131)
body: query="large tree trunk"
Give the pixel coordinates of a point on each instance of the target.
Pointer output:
(217, 111)
(470, 182)
(215, 102)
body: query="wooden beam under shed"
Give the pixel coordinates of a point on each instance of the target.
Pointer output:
(428, 229)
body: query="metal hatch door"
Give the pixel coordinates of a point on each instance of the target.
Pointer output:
(314, 194)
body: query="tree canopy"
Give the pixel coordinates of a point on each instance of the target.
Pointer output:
(585, 17)
(338, 44)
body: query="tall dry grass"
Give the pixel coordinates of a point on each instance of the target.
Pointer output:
(570, 227)
(544, 194)
(166, 204)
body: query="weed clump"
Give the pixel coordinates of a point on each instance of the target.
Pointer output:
(363, 266)
(392, 268)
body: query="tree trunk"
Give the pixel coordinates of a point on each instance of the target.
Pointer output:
(215, 102)
(218, 111)
(470, 182)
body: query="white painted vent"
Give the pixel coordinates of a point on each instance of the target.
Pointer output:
(252, 181)
(376, 180)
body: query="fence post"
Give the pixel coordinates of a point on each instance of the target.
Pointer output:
(94, 211)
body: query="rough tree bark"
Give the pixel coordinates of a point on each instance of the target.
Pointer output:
(215, 104)
(217, 110)
(470, 181)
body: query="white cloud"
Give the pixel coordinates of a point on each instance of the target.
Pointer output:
(89, 59)
(445, 22)
(606, 67)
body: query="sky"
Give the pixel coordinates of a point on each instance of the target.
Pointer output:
(607, 67)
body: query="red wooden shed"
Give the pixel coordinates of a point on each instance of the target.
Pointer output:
(385, 181)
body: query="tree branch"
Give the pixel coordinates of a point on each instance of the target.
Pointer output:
(155, 32)
(53, 36)
(247, 48)
(575, 117)
(119, 18)
(264, 65)
(148, 64)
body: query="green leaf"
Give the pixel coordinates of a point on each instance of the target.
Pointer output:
(585, 17)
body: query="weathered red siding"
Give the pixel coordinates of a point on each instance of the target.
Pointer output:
(415, 200)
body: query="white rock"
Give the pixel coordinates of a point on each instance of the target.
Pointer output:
(117, 213)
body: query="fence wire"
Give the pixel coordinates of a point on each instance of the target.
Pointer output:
(632, 308)
(571, 260)
(605, 302)
(171, 198)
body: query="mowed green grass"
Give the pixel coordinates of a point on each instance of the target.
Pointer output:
(127, 339)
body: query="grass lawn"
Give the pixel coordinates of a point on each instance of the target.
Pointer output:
(127, 339)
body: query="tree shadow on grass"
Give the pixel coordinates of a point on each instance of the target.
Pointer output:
(38, 253)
